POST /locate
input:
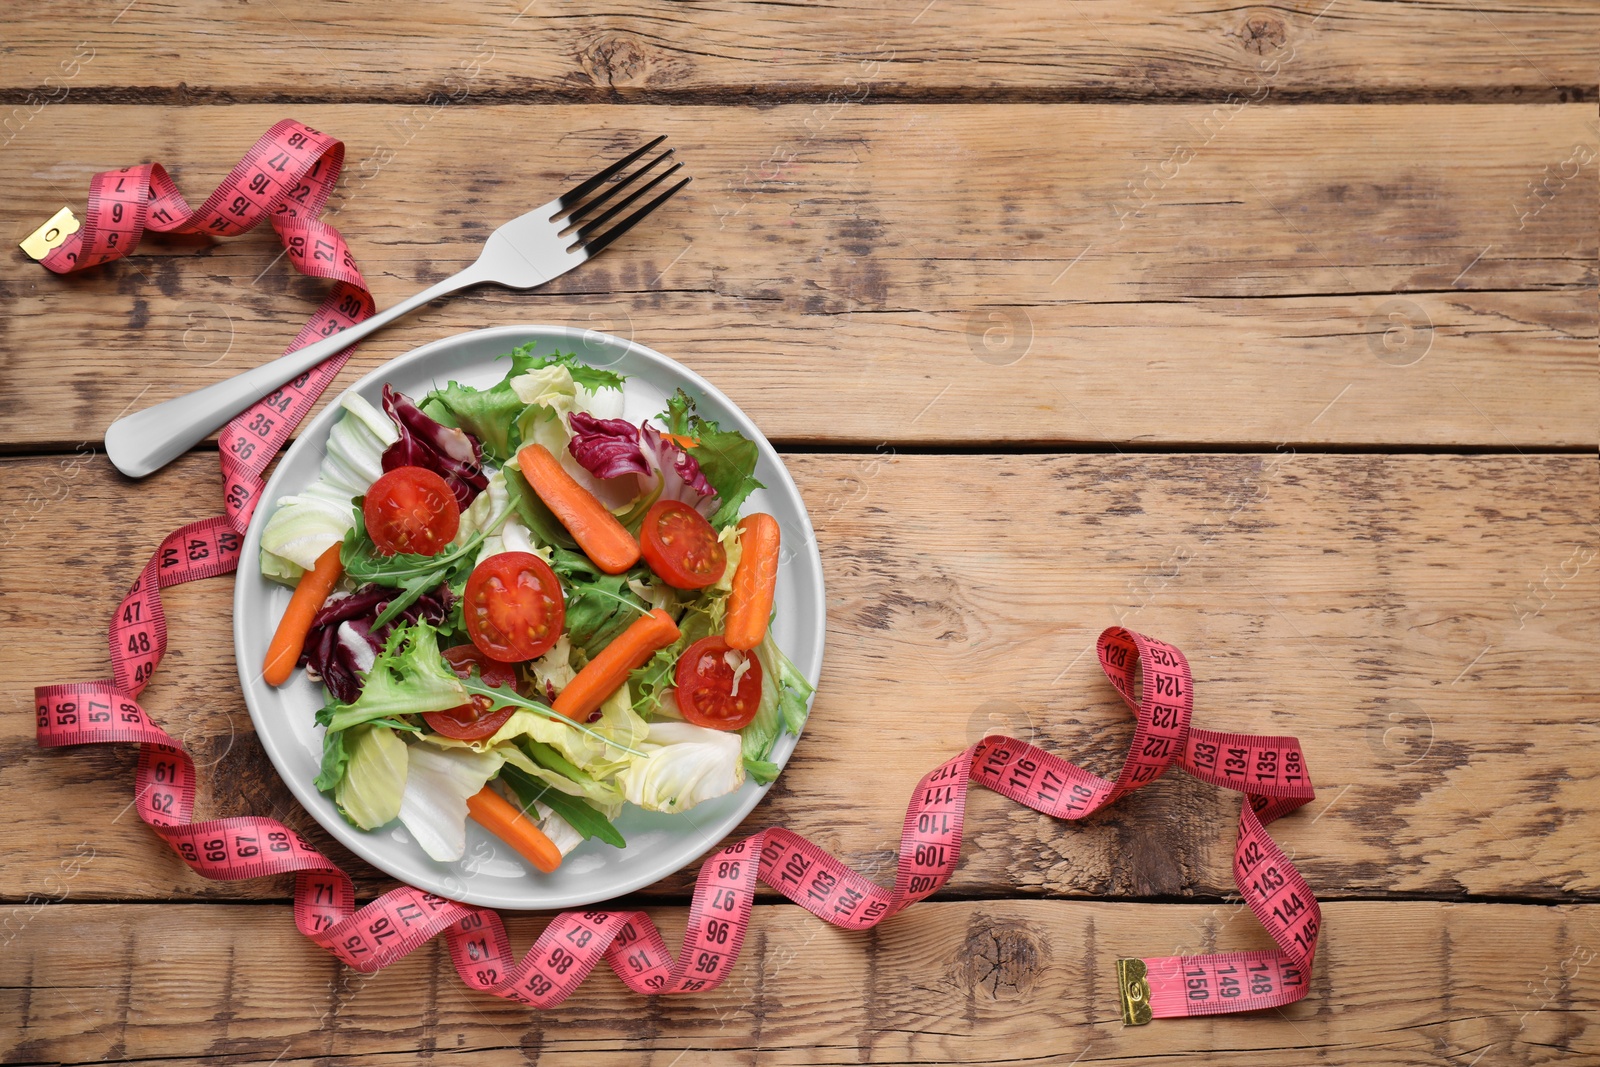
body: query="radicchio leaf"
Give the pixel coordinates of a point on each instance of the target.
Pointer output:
(680, 473)
(341, 643)
(451, 453)
(606, 448)
(610, 448)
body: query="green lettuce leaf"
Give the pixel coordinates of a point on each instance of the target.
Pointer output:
(763, 771)
(538, 518)
(785, 696)
(727, 457)
(335, 758)
(497, 416)
(490, 415)
(794, 692)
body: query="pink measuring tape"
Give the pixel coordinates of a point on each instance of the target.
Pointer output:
(287, 177)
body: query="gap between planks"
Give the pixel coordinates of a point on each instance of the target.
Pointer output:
(1533, 94)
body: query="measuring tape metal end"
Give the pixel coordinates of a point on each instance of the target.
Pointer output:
(51, 235)
(1133, 988)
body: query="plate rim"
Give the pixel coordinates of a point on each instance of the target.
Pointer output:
(316, 429)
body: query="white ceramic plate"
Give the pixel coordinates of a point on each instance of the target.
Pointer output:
(491, 873)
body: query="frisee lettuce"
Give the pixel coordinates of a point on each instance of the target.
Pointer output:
(409, 677)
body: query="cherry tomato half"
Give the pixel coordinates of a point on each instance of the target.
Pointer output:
(680, 546)
(474, 721)
(513, 607)
(411, 509)
(706, 695)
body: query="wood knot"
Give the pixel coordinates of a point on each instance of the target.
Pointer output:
(1263, 34)
(1000, 957)
(615, 59)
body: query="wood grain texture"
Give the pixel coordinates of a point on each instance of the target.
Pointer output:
(1163, 275)
(1423, 624)
(983, 982)
(955, 49)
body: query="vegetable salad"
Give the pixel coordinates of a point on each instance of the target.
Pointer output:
(530, 612)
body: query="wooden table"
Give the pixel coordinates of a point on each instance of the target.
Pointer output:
(1268, 331)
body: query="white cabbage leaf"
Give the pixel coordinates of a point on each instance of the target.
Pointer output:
(305, 525)
(434, 806)
(684, 766)
(557, 829)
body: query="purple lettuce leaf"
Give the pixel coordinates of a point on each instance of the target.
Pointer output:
(679, 472)
(606, 448)
(341, 644)
(610, 448)
(452, 454)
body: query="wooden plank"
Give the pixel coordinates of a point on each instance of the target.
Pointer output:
(955, 49)
(1424, 624)
(1398, 275)
(959, 982)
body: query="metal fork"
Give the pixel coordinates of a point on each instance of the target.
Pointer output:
(525, 252)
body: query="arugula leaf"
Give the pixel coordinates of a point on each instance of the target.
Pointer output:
(701, 618)
(727, 458)
(577, 812)
(599, 605)
(503, 698)
(411, 573)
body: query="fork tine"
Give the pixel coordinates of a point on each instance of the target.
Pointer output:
(577, 213)
(593, 225)
(570, 198)
(592, 248)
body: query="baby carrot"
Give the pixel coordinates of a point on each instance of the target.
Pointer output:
(315, 585)
(627, 652)
(500, 817)
(750, 602)
(597, 531)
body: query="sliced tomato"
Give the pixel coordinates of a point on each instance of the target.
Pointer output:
(706, 692)
(513, 607)
(680, 546)
(474, 721)
(411, 509)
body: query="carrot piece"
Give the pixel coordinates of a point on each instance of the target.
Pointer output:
(315, 585)
(502, 819)
(750, 602)
(626, 653)
(597, 531)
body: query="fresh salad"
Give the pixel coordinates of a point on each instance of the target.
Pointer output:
(528, 611)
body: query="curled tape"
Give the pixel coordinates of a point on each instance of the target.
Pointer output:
(287, 177)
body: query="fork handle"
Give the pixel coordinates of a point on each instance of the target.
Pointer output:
(144, 442)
